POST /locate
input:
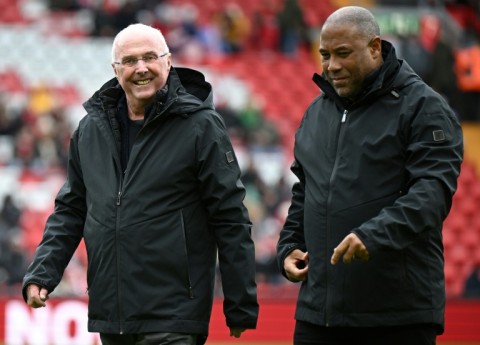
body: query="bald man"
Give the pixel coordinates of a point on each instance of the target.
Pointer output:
(377, 156)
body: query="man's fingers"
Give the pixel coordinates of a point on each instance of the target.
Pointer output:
(349, 255)
(351, 248)
(296, 272)
(362, 255)
(36, 296)
(296, 265)
(338, 252)
(35, 302)
(43, 294)
(236, 332)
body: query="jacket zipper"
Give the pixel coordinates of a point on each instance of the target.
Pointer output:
(117, 225)
(332, 178)
(118, 203)
(189, 281)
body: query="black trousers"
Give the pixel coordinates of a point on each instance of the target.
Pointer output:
(418, 334)
(148, 339)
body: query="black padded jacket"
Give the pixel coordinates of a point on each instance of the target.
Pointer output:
(385, 167)
(153, 231)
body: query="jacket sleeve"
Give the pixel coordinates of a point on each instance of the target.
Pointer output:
(223, 193)
(63, 229)
(291, 236)
(434, 153)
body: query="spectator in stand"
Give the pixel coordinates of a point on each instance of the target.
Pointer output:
(264, 36)
(10, 124)
(465, 12)
(153, 187)
(108, 20)
(377, 157)
(10, 213)
(467, 70)
(292, 27)
(64, 5)
(183, 32)
(126, 15)
(25, 147)
(234, 28)
(441, 75)
(103, 22)
(209, 38)
(418, 48)
(13, 261)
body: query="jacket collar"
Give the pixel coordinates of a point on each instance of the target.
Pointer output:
(376, 84)
(185, 92)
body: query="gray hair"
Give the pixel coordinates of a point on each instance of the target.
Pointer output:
(358, 16)
(140, 29)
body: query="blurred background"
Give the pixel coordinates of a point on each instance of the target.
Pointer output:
(260, 56)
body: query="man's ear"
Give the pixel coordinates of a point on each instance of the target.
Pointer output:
(114, 70)
(376, 47)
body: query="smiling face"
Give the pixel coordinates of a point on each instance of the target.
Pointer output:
(348, 57)
(142, 79)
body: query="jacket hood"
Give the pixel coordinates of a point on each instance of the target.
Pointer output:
(185, 92)
(380, 82)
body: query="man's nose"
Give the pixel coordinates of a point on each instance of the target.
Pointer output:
(141, 66)
(333, 64)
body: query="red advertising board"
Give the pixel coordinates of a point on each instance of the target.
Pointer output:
(64, 322)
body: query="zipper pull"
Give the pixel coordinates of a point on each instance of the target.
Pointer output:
(119, 197)
(344, 117)
(190, 293)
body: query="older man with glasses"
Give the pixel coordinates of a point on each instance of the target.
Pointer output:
(153, 187)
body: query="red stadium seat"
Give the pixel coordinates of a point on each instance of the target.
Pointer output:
(450, 239)
(457, 256)
(475, 193)
(11, 82)
(456, 221)
(476, 256)
(467, 175)
(31, 224)
(453, 281)
(10, 12)
(470, 240)
(468, 207)
(67, 95)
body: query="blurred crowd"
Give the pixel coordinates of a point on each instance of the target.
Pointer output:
(37, 130)
(34, 138)
(273, 25)
(448, 63)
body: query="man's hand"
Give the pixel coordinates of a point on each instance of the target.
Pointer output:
(236, 332)
(349, 249)
(296, 265)
(36, 296)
